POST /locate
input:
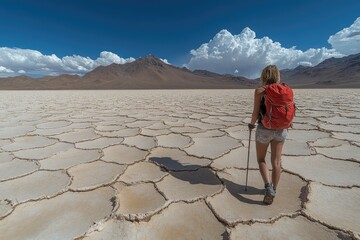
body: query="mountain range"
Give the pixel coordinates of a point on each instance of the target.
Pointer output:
(331, 73)
(152, 73)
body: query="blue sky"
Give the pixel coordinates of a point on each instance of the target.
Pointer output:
(74, 33)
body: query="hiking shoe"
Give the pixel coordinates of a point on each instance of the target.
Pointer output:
(269, 194)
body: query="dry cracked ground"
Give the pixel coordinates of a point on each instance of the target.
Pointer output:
(171, 165)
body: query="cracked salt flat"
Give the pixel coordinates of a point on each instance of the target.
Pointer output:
(306, 135)
(324, 170)
(305, 120)
(297, 228)
(64, 217)
(324, 205)
(44, 152)
(159, 126)
(344, 152)
(173, 140)
(141, 142)
(41, 183)
(54, 131)
(340, 128)
(176, 160)
(69, 158)
(178, 221)
(78, 135)
(198, 115)
(110, 128)
(204, 126)
(347, 136)
(16, 168)
(341, 120)
(237, 158)
(185, 130)
(137, 201)
(154, 132)
(123, 154)
(99, 143)
(241, 134)
(190, 185)
(210, 133)
(127, 132)
(140, 124)
(65, 165)
(17, 131)
(28, 142)
(5, 208)
(4, 142)
(149, 172)
(5, 157)
(327, 142)
(303, 126)
(244, 205)
(57, 124)
(95, 174)
(231, 119)
(176, 122)
(219, 146)
(296, 148)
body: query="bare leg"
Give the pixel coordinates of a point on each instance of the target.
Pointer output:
(261, 149)
(276, 150)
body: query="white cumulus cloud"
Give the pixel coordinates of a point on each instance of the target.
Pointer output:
(347, 41)
(5, 70)
(165, 61)
(107, 58)
(246, 55)
(15, 61)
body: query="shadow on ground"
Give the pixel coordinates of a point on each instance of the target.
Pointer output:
(197, 174)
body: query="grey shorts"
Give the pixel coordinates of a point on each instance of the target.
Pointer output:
(265, 135)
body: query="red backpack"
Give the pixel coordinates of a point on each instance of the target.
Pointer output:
(280, 107)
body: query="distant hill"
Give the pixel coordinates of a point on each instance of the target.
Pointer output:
(152, 73)
(331, 73)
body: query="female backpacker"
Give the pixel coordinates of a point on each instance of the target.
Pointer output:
(273, 111)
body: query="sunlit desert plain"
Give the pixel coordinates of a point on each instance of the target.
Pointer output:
(171, 164)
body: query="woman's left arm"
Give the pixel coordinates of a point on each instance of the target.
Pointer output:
(257, 99)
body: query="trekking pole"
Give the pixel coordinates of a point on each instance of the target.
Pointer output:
(247, 166)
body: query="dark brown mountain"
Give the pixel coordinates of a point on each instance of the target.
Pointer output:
(331, 73)
(152, 73)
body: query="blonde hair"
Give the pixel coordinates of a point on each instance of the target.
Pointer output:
(269, 75)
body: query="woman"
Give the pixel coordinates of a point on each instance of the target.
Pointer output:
(264, 136)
